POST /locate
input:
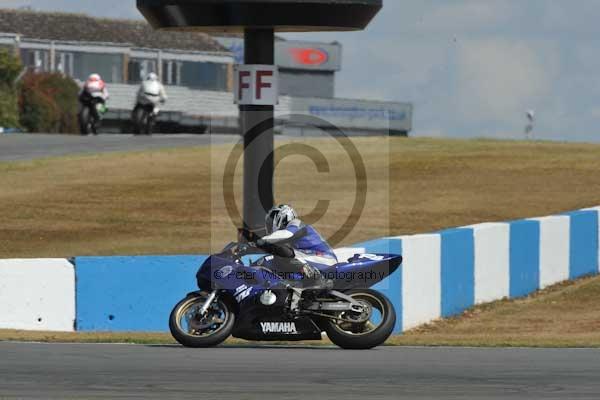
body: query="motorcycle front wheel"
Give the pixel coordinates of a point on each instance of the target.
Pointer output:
(138, 120)
(149, 125)
(85, 121)
(191, 329)
(371, 328)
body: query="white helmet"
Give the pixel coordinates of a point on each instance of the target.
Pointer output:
(95, 78)
(152, 77)
(279, 218)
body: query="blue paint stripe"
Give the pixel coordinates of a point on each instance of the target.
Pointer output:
(457, 271)
(583, 243)
(392, 286)
(524, 257)
(382, 246)
(133, 294)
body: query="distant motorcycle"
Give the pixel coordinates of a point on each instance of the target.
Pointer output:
(256, 303)
(91, 114)
(150, 96)
(145, 115)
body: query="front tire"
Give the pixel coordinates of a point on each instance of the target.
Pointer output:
(193, 330)
(138, 120)
(85, 124)
(149, 124)
(362, 336)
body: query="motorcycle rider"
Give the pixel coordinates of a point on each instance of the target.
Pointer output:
(298, 247)
(94, 90)
(150, 94)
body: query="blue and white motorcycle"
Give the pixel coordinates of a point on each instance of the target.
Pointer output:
(254, 302)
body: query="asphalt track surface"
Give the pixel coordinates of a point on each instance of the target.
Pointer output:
(14, 147)
(82, 371)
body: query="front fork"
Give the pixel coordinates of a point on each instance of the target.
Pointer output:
(208, 302)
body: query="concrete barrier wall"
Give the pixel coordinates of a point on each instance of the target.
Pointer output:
(491, 259)
(443, 274)
(37, 295)
(131, 293)
(583, 243)
(554, 249)
(597, 209)
(392, 286)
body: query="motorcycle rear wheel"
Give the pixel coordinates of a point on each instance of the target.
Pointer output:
(363, 336)
(212, 330)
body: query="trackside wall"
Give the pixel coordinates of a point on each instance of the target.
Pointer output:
(447, 272)
(443, 274)
(37, 295)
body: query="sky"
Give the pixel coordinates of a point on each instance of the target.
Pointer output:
(472, 68)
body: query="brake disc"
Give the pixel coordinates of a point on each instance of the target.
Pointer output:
(363, 317)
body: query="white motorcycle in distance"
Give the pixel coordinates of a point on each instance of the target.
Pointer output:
(150, 96)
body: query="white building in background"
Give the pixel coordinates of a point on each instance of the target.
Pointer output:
(197, 69)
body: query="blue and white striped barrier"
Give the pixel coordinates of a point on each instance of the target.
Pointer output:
(443, 274)
(447, 272)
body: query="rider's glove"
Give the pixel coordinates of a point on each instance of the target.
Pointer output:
(249, 235)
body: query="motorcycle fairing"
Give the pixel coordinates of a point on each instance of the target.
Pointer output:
(243, 285)
(270, 323)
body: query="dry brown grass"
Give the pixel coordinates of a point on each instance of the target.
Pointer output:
(565, 315)
(161, 202)
(85, 337)
(126, 337)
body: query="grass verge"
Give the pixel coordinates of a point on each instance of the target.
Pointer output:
(564, 315)
(163, 202)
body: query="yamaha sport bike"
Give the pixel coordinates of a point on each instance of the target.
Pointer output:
(254, 302)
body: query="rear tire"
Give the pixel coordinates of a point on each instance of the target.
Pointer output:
(189, 340)
(369, 340)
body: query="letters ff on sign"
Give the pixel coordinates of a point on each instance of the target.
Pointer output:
(256, 85)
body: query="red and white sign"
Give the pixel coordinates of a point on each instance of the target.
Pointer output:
(256, 85)
(309, 56)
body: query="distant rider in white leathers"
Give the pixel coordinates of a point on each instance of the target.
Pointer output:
(151, 91)
(150, 95)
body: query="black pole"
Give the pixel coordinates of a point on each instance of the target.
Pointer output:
(258, 163)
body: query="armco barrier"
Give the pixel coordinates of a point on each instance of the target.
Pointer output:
(37, 295)
(443, 274)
